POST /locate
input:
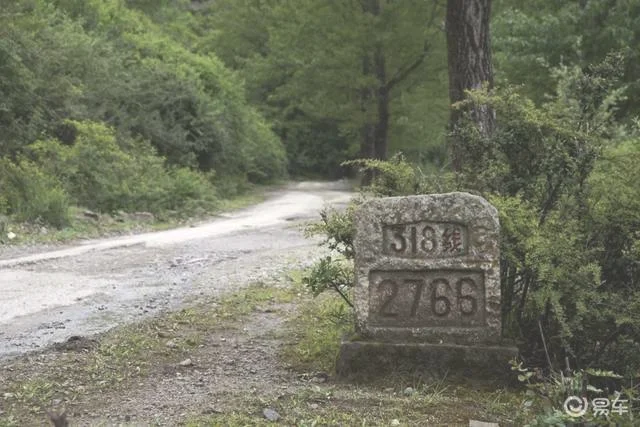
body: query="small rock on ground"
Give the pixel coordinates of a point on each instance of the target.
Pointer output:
(408, 391)
(474, 423)
(186, 362)
(270, 414)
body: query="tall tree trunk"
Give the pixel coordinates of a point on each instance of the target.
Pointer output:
(373, 144)
(367, 143)
(382, 89)
(375, 131)
(368, 131)
(469, 56)
(382, 123)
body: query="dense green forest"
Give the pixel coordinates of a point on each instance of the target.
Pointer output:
(111, 105)
(170, 105)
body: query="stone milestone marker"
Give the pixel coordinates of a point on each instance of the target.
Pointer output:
(427, 290)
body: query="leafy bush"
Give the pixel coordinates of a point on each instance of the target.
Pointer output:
(334, 272)
(108, 174)
(105, 62)
(44, 58)
(188, 191)
(231, 185)
(559, 399)
(567, 260)
(337, 227)
(29, 194)
(331, 274)
(266, 157)
(392, 177)
(188, 106)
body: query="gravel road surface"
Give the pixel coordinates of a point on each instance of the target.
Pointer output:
(48, 296)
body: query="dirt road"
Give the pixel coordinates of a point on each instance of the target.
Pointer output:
(89, 288)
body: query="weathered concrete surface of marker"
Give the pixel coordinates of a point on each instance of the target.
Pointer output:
(427, 284)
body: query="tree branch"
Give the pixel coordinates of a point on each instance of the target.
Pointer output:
(342, 294)
(403, 73)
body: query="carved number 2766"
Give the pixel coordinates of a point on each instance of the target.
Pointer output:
(440, 304)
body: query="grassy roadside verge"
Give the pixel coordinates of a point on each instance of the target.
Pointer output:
(85, 227)
(312, 342)
(82, 370)
(81, 374)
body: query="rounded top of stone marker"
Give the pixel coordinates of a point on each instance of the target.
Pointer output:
(456, 206)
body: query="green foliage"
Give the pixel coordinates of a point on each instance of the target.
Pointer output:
(43, 57)
(615, 209)
(529, 42)
(563, 268)
(399, 177)
(337, 226)
(393, 177)
(30, 194)
(315, 147)
(266, 158)
(316, 334)
(106, 174)
(103, 61)
(329, 273)
(564, 179)
(187, 191)
(303, 64)
(533, 38)
(189, 106)
(335, 273)
(112, 102)
(547, 397)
